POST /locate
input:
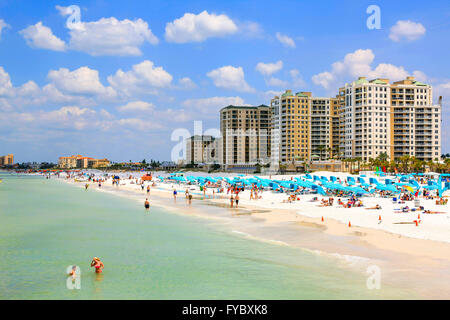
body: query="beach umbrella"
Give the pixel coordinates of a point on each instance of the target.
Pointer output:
(308, 176)
(359, 190)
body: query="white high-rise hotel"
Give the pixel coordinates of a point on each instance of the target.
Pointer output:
(397, 119)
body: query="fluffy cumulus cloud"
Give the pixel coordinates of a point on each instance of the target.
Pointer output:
(198, 28)
(229, 77)
(82, 81)
(3, 26)
(109, 36)
(285, 40)
(136, 106)
(42, 37)
(143, 77)
(357, 64)
(210, 106)
(406, 30)
(267, 69)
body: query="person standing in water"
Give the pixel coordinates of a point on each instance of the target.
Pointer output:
(97, 264)
(147, 204)
(86, 186)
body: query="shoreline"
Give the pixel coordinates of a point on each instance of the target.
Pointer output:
(400, 257)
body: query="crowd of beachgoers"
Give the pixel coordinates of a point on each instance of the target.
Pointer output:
(413, 205)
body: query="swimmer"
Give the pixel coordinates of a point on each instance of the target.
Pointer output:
(147, 204)
(97, 264)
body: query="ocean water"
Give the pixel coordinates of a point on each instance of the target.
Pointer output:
(48, 225)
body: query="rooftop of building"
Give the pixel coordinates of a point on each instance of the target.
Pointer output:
(408, 81)
(244, 107)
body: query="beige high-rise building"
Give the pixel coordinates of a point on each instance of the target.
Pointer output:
(303, 128)
(416, 122)
(203, 149)
(245, 135)
(7, 160)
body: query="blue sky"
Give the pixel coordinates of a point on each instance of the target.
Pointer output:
(118, 82)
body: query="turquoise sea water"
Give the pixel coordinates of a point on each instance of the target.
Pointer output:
(47, 225)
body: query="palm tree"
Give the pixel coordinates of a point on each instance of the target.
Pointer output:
(358, 159)
(321, 149)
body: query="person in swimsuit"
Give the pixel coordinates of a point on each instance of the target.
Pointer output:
(231, 200)
(236, 199)
(147, 204)
(97, 264)
(86, 186)
(175, 194)
(148, 189)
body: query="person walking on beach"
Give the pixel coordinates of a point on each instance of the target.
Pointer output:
(236, 199)
(97, 264)
(148, 189)
(147, 204)
(175, 194)
(231, 200)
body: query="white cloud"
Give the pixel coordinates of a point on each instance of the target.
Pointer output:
(406, 30)
(137, 106)
(275, 82)
(82, 81)
(109, 36)
(198, 28)
(297, 80)
(42, 37)
(3, 25)
(358, 64)
(210, 106)
(285, 40)
(206, 104)
(5, 83)
(268, 69)
(186, 83)
(143, 77)
(230, 77)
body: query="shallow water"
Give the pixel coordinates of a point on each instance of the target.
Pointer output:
(47, 225)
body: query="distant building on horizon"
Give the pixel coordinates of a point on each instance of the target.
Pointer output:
(81, 162)
(7, 160)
